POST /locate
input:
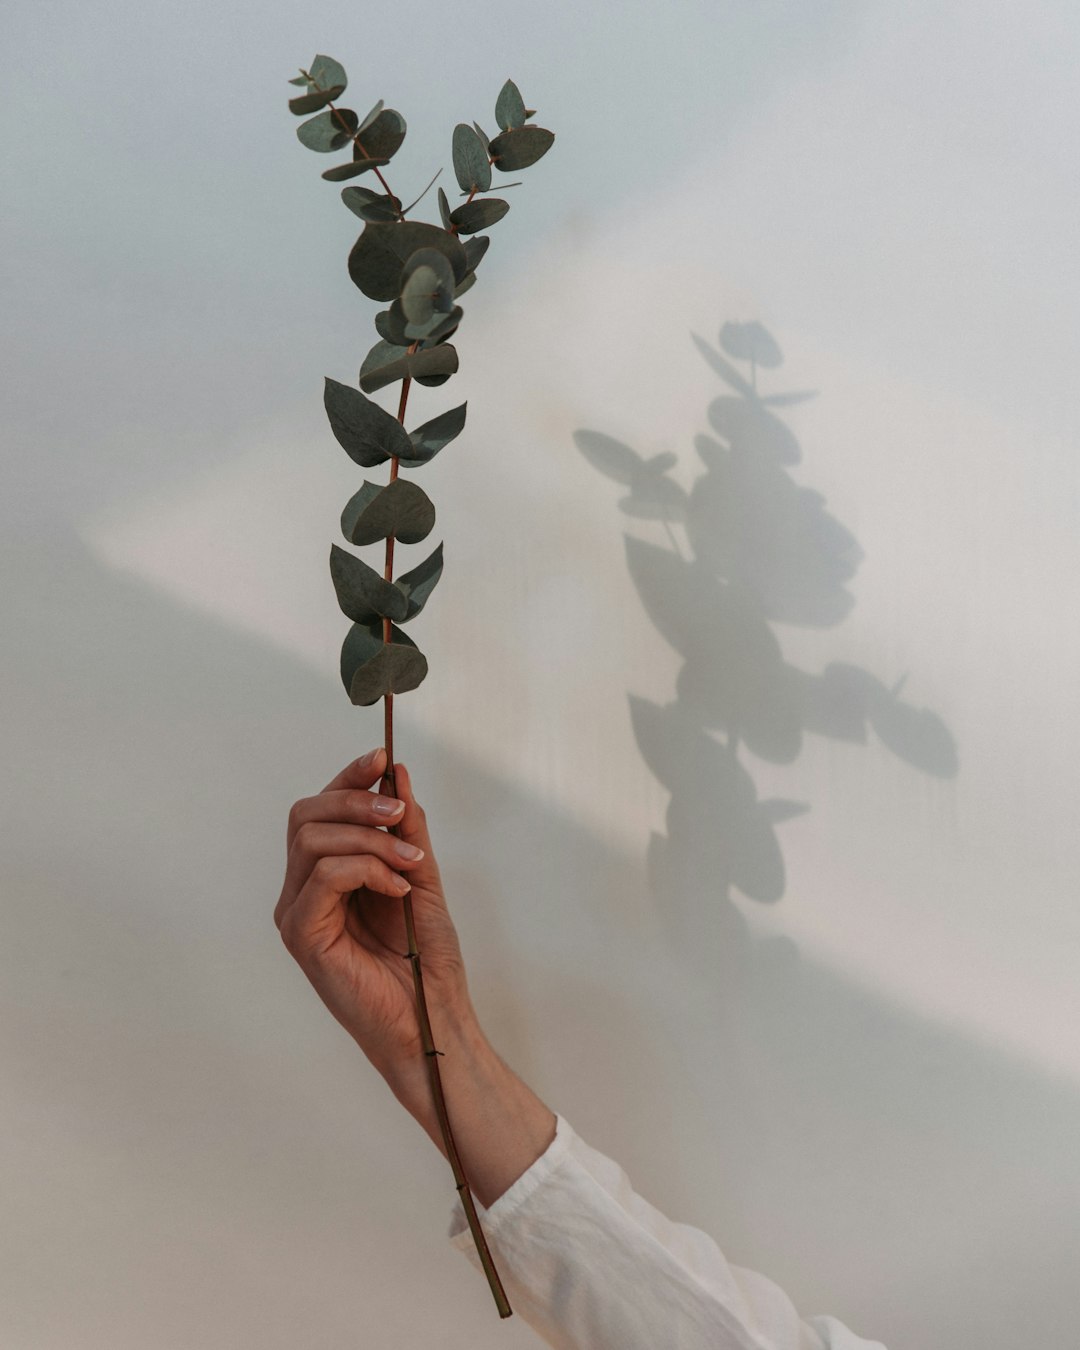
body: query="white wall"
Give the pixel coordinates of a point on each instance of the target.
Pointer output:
(816, 991)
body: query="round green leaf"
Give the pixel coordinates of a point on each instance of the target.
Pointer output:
(427, 288)
(361, 592)
(309, 103)
(387, 362)
(479, 214)
(369, 205)
(466, 285)
(471, 163)
(390, 325)
(418, 584)
(371, 668)
(326, 73)
(378, 256)
(371, 116)
(401, 509)
(384, 134)
(353, 169)
(329, 130)
(366, 432)
(428, 439)
(510, 110)
(474, 251)
(395, 670)
(520, 147)
(438, 328)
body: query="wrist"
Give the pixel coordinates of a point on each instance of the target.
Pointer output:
(500, 1125)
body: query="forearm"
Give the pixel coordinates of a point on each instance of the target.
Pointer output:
(500, 1125)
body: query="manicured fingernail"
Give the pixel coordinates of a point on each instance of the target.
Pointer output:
(369, 758)
(407, 851)
(386, 806)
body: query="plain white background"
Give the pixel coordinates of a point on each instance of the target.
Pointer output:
(815, 990)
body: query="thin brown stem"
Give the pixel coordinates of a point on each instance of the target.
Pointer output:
(413, 957)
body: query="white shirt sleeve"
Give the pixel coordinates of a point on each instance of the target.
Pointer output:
(591, 1265)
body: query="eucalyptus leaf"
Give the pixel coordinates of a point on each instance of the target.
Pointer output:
(466, 285)
(372, 668)
(390, 325)
(510, 110)
(366, 432)
(520, 147)
(475, 250)
(361, 592)
(471, 162)
(436, 372)
(427, 286)
(483, 135)
(378, 256)
(418, 584)
(328, 130)
(384, 134)
(353, 169)
(438, 329)
(428, 439)
(326, 73)
(479, 214)
(309, 103)
(300, 79)
(370, 205)
(400, 509)
(387, 362)
(370, 117)
(444, 210)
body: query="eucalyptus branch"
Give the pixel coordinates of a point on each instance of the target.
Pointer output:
(422, 270)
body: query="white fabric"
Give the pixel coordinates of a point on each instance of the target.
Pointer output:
(591, 1265)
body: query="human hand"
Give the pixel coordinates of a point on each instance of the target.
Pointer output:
(340, 912)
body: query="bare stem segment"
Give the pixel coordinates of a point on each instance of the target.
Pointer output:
(413, 957)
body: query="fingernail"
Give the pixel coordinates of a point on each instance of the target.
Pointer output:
(407, 851)
(386, 806)
(369, 758)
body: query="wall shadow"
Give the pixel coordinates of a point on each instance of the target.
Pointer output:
(207, 1158)
(745, 551)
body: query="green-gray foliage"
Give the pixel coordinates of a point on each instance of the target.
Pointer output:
(418, 271)
(400, 509)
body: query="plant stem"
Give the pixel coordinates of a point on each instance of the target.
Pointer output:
(413, 957)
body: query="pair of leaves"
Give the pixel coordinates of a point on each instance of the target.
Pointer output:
(427, 296)
(369, 205)
(400, 510)
(370, 436)
(372, 668)
(378, 257)
(365, 596)
(388, 362)
(325, 81)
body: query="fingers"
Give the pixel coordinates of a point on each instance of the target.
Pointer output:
(317, 917)
(414, 830)
(361, 773)
(317, 839)
(346, 806)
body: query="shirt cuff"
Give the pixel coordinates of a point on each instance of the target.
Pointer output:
(516, 1194)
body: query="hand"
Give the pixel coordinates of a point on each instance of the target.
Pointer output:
(340, 913)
